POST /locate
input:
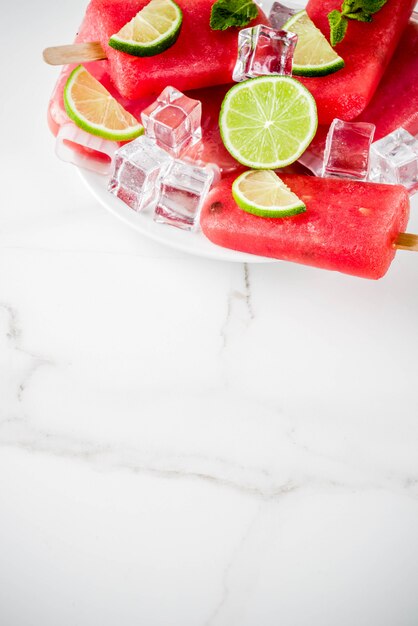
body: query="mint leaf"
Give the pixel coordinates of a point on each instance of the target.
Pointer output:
(338, 27)
(373, 6)
(360, 16)
(360, 10)
(351, 6)
(227, 13)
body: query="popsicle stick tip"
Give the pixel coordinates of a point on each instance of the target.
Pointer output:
(406, 241)
(46, 55)
(74, 53)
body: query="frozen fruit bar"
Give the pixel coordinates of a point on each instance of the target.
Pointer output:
(366, 49)
(201, 57)
(394, 104)
(211, 149)
(348, 226)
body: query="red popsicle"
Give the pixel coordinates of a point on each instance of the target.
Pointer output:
(201, 57)
(366, 49)
(394, 104)
(348, 226)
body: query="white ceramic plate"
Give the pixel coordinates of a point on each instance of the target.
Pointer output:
(193, 243)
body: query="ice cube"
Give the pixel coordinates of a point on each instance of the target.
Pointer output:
(280, 13)
(139, 167)
(313, 160)
(183, 191)
(74, 145)
(347, 150)
(394, 160)
(173, 121)
(262, 51)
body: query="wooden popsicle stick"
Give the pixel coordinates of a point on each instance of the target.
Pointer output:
(74, 53)
(406, 241)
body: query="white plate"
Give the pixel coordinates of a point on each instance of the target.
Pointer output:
(193, 243)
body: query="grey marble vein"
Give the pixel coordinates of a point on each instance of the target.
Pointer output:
(14, 337)
(17, 433)
(13, 332)
(227, 572)
(239, 295)
(248, 295)
(106, 456)
(29, 374)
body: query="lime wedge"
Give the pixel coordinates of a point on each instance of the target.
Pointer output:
(95, 110)
(263, 193)
(314, 55)
(268, 122)
(153, 29)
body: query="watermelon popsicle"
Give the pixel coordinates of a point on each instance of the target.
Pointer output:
(394, 104)
(348, 226)
(366, 49)
(201, 57)
(210, 149)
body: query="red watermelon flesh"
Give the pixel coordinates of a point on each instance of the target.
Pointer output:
(394, 105)
(366, 49)
(201, 57)
(348, 226)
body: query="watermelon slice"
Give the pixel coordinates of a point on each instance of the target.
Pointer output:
(348, 226)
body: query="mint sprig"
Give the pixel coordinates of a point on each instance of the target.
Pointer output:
(338, 25)
(360, 10)
(227, 13)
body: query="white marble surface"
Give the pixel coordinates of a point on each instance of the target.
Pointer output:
(185, 442)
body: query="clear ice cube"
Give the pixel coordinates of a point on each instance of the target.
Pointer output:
(280, 13)
(139, 167)
(183, 191)
(74, 145)
(347, 150)
(394, 160)
(173, 121)
(262, 51)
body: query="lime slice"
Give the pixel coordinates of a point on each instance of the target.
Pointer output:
(95, 110)
(314, 55)
(154, 29)
(268, 122)
(263, 193)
